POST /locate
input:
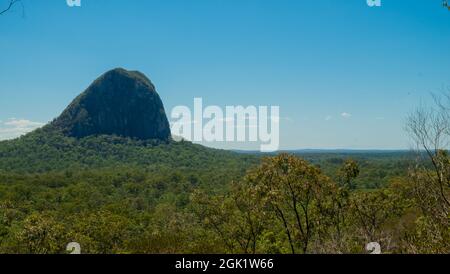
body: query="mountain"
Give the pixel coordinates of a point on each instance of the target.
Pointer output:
(118, 121)
(120, 102)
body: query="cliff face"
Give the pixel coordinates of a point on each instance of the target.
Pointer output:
(119, 102)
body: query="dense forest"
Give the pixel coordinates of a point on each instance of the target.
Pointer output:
(63, 189)
(118, 195)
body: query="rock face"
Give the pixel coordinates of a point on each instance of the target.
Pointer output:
(119, 102)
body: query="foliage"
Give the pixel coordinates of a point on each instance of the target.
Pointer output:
(119, 195)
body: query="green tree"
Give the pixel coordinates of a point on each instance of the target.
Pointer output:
(41, 234)
(372, 212)
(237, 218)
(348, 173)
(292, 188)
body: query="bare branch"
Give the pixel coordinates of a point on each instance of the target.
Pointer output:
(430, 130)
(11, 4)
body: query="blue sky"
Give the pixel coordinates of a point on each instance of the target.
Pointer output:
(344, 75)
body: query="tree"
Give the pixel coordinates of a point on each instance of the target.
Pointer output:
(371, 212)
(291, 188)
(215, 214)
(237, 218)
(348, 173)
(251, 211)
(41, 234)
(333, 225)
(429, 128)
(99, 232)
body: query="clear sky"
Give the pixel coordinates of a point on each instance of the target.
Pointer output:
(344, 75)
